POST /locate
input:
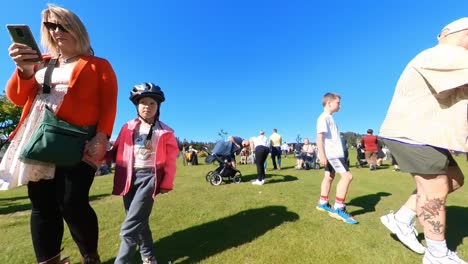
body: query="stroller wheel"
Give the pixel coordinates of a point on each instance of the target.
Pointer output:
(358, 165)
(216, 179)
(237, 178)
(208, 176)
(317, 166)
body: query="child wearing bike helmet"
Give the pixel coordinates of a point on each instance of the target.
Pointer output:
(145, 155)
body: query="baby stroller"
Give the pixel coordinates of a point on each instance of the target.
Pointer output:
(222, 152)
(361, 157)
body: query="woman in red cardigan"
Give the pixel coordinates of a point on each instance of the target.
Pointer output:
(84, 93)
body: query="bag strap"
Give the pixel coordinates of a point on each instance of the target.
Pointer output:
(48, 75)
(3, 143)
(45, 86)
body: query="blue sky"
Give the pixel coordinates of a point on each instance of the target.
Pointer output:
(247, 65)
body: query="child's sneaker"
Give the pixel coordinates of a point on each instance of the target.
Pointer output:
(343, 215)
(324, 207)
(450, 258)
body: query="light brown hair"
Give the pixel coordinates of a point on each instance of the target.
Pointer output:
(329, 97)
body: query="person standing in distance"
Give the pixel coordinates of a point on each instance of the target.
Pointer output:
(369, 142)
(275, 142)
(260, 145)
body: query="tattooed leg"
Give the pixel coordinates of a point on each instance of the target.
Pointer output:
(430, 204)
(432, 211)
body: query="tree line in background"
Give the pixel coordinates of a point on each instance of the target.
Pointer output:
(9, 117)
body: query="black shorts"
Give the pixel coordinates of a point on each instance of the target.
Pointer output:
(337, 165)
(421, 159)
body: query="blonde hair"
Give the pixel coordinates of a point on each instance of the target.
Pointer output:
(330, 97)
(74, 26)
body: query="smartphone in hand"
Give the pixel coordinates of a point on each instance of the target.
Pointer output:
(22, 34)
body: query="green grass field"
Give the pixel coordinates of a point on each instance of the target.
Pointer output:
(244, 223)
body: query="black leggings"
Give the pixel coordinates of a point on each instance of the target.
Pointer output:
(261, 154)
(66, 197)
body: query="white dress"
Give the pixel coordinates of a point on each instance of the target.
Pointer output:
(14, 171)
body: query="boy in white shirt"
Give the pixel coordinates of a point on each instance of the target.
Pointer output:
(331, 156)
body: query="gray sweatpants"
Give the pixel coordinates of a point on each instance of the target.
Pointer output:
(135, 231)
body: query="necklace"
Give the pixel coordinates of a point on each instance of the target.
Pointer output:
(68, 60)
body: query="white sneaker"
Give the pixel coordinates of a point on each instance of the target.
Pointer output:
(407, 234)
(257, 182)
(450, 258)
(149, 260)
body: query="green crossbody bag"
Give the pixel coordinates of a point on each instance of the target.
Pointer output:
(57, 141)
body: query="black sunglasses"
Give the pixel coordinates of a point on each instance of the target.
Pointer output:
(53, 26)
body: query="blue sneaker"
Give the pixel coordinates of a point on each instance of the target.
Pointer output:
(324, 207)
(343, 215)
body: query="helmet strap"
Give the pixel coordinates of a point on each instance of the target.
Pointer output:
(150, 132)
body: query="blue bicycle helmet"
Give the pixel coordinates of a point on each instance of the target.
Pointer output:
(146, 89)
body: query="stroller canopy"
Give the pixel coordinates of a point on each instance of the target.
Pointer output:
(222, 149)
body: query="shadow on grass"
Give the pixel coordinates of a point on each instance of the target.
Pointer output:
(286, 178)
(15, 204)
(10, 205)
(196, 243)
(457, 229)
(367, 202)
(268, 178)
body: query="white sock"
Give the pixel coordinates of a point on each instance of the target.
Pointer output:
(322, 202)
(437, 248)
(405, 215)
(338, 205)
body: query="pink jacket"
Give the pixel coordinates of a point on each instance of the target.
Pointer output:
(122, 155)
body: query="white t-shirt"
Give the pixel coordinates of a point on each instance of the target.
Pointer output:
(145, 152)
(261, 141)
(326, 125)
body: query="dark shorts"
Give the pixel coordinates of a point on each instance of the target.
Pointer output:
(339, 165)
(421, 159)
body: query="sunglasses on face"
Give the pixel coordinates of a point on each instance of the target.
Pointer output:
(53, 26)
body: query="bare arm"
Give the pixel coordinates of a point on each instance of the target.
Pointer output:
(252, 145)
(321, 149)
(231, 138)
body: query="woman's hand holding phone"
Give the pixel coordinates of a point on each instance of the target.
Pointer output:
(21, 52)
(24, 50)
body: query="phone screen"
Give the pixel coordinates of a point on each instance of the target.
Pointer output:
(22, 34)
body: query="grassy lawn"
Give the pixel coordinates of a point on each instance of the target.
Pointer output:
(244, 223)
